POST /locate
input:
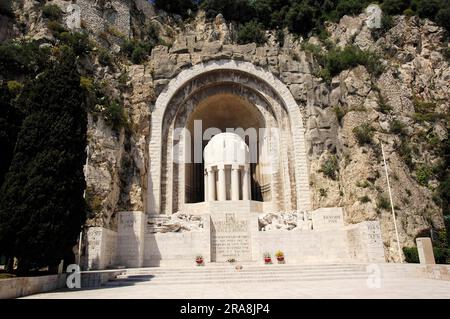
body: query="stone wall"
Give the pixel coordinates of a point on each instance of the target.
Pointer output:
(24, 286)
(100, 15)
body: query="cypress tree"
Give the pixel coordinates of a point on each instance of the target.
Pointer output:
(10, 121)
(42, 206)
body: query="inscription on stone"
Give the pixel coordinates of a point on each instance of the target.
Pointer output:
(328, 218)
(230, 237)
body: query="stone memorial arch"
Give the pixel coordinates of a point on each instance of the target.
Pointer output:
(229, 195)
(226, 94)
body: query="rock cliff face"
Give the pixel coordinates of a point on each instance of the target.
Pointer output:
(415, 73)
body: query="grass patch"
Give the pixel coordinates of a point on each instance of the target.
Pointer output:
(397, 127)
(383, 203)
(423, 175)
(52, 12)
(363, 134)
(425, 111)
(330, 167)
(364, 199)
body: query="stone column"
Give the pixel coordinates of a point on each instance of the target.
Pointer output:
(235, 182)
(245, 184)
(205, 184)
(211, 185)
(222, 193)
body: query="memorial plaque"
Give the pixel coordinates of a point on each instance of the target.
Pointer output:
(230, 237)
(328, 218)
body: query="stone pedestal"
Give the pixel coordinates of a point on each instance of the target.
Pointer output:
(131, 238)
(101, 248)
(425, 249)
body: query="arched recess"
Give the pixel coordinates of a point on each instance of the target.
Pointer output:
(256, 86)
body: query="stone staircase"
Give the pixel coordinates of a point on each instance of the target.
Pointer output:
(227, 274)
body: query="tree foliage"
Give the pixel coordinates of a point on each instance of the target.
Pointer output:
(42, 206)
(251, 32)
(10, 121)
(181, 7)
(302, 16)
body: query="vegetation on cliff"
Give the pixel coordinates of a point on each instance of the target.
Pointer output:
(303, 16)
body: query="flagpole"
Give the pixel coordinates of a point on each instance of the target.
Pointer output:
(392, 204)
(79, 248)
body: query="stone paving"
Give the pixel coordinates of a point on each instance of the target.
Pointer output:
(390, 289)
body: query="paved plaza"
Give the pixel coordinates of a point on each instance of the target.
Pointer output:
(390, 289)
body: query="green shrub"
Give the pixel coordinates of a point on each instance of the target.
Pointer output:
(397, 127)
(443, 18)
(280, 37)
(363, 134)
(395, 6)
(300, 18)
(87, 84)
(349, 7)
(405, 152)
(339, 113)
(137, 51)
(104, 57)
(56, 27)
(441, 255)
(181, 7)
(423, 175)
(78, 41)
(338, 60)
(312, 48)
(22, 58)
(364, 199)
(408, 12)
(363, 184)
(330, 167)
(251, 32)
(114, 115)
(425, 111)
(14, 87)
(428, 8)
(151, 35)
(139, 54)
(383, 107)
(411, 255)
(323, 192)
(383, 203)
(52, 12)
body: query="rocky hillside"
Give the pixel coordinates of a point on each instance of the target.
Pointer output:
(394, 88)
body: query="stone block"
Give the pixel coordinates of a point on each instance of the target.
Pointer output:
(425, 249)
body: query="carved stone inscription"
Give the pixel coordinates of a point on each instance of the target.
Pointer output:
(230, 237)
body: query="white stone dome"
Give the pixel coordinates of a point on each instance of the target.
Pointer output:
(226, 149)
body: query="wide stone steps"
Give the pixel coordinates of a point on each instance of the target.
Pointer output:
(224, 275)
(228, 267)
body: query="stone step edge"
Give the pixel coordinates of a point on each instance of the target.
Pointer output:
(243, 272)
(293, 279)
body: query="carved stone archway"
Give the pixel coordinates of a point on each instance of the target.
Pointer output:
(259, 88)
